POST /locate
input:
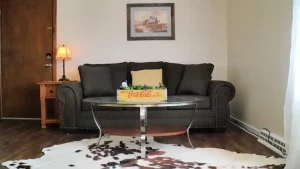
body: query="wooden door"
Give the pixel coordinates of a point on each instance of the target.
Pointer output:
(27, 36)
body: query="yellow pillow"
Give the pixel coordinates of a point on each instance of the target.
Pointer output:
(149, 77)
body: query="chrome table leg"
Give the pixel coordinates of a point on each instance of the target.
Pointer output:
(143, 124)
(190, 125)
(97, 124)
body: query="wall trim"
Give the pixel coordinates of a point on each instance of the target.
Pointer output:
(54, 41)
(1, 108)
(257, 134)
(244, 125)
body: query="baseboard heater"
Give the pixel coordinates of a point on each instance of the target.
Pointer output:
(273, 142)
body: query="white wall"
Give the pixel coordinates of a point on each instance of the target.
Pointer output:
(259, 33)
(258, 46)
(95, 32)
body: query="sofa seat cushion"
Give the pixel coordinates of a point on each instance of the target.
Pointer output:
(205, 104)
(118, 73)
(85, 106)
(134, 66)
(115, 119)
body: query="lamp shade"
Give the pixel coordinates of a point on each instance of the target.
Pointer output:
(63, 53)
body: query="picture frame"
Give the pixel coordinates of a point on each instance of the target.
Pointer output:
(150, 21)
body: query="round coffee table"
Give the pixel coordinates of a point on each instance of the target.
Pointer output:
(145, 130)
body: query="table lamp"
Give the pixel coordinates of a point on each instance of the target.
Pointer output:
(63, 54)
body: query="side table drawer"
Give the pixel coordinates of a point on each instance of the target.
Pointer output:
(51, 91)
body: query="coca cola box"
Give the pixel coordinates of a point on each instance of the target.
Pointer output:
(142, 95)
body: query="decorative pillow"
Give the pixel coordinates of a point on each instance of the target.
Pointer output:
(96, 81)
(118, 72)
(196, 79)
(148, 77)
(135, 66)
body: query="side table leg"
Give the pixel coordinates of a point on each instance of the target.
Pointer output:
(97, 124)
(43, 106)
(190, 125)
(143, 123)
(44, 113)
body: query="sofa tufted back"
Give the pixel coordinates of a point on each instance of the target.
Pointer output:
(172, 72)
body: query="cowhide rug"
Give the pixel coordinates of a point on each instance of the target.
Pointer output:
(123, 152)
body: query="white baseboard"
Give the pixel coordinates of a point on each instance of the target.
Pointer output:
(257, 133)
(244, 125)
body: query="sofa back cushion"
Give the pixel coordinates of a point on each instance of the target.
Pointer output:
(96, 81)
(196, 79)
(172, 75)
(134, 66)
(118, 73)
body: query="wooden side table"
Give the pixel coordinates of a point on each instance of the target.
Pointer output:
(48, 91)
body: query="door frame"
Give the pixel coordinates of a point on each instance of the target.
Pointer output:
(1, 110)
(54, 50)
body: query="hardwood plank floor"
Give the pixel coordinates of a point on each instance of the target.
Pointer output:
(25, 139)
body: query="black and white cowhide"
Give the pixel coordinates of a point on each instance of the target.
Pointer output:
(124, 152)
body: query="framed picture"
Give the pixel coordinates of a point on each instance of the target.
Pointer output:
(154, 21)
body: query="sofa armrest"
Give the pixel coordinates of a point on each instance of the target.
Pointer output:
(70, 94)
(220, 93)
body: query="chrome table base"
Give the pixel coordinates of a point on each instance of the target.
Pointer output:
(97, 124)
(190, 125)
(143, 125)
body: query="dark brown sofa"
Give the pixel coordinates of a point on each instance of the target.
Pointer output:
(213, 112)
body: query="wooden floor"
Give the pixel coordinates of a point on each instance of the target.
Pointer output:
(25, 139)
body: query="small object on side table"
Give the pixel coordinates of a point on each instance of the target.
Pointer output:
(48, 91)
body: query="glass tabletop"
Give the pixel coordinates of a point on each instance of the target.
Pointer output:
(172, 101)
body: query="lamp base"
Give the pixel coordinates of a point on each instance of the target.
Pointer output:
(64, 79)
